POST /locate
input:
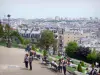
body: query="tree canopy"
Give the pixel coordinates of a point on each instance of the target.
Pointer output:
(71, 48)
(47, 39)
(92, 56)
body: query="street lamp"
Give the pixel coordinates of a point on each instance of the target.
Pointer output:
(9, 40)
(8, 18)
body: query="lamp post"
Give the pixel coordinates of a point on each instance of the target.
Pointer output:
(8, 40)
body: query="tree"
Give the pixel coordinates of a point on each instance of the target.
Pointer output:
(79, 68)
(71, 48)
(92, 56)
(83, 51)
(1, 30)
(47, 39)
(26, 41)
(34, 47)
(8, 34)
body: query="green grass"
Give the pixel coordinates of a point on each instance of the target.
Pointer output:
(70, 69)
(2, 43)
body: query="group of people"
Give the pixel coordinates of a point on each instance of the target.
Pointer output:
(62, 65)
(94, 72)
(28, 60)
(28, 57)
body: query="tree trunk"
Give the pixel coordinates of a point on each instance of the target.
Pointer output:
(54, 52)
(9, 43)
(47, 47)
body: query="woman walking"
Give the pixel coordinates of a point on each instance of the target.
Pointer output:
(26, 60)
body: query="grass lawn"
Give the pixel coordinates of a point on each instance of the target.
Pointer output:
(2, 43)
(70, 69)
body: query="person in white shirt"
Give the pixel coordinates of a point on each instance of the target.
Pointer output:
(26, 60)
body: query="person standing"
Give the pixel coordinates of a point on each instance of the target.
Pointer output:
(26, 60)
(64, 67)
(60, 65)
(30, 61)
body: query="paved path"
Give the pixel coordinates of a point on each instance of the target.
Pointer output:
(11, 63)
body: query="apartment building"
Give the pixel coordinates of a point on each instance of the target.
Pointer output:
(69, 36)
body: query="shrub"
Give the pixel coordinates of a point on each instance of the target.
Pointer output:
(92, 56)
(93, 65)
(71, 48)
(98, 57)
(44, 52)
(82, 63)
(33, 47)
(79, 68)
(83, 51)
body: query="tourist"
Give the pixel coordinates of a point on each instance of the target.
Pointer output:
(87, 71)
(60, 65)
(26, 60)
(28, 48)
(93, 72)
(30, 61)
(97, 64)
(64, 67)
(99, 72)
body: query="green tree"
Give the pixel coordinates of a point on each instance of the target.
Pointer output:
(79, 68)
(47, 39)
(71, 48)
(8, 34)
(33, 47)
(1, 31)
(26, 41)
(98, 57)
(92, 56)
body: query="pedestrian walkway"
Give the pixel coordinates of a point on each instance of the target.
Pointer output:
(11, 63)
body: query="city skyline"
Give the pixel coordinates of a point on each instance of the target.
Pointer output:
(29, 9)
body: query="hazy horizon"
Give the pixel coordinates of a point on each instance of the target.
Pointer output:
(30, 9)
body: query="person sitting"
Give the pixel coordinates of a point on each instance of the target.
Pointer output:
(99, 72)
(72, 65)
(93, 72)
(54, 64)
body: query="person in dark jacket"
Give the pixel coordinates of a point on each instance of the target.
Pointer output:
(30, 61)
(64, 67)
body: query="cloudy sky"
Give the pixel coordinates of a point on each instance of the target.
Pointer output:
(50, 8)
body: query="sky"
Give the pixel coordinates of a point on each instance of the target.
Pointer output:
(50, 8)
